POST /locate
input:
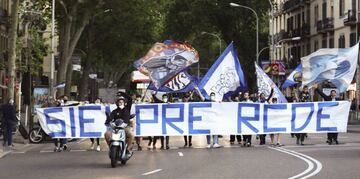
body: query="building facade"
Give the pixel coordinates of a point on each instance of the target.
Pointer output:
(317, 23)
(4, 28)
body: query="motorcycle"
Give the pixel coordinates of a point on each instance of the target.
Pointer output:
(118, 143)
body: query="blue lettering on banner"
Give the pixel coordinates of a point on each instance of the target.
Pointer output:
(293, 115)
(72, 122)
(139, 121)
(321, 116)
(193, 118)
(55, 121)
(83, 120)
(272, 106)
(170, 120)
(244, 119)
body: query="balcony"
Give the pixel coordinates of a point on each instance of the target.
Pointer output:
(350, 18)
(278, 10)
(325, 25)
(291, 5)
(4, 18)
(305, 30)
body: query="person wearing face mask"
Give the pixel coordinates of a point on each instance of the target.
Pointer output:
(187, 139)
(263, 99)
(122, 111)
(331, 136)
(9, 119)
(247, 138)
(165, 99)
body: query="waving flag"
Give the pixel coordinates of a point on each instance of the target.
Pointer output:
(225, 76)
(165, 60)
(264, 85)
(293, 78)
(181, 83)
(336, 65)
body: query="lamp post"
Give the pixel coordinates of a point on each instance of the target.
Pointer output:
(262, 50)
(257, 27)
(272, 53)
(214, 35)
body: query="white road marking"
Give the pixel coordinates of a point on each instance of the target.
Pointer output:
(46, 151)
(180, 154)
(152, 172)
(17, 152)
(307, 159)
(310, 164)
(318, 164)
(78, 150)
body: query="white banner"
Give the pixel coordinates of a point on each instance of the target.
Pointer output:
(202, 118)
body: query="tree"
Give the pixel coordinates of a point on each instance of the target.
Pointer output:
(12, 48)
(73, 16)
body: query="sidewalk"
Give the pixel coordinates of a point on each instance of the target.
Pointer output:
(18, 141)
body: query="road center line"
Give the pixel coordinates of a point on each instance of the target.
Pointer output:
(151, 172)
(310, 164)
(318, 164)
(180, 154)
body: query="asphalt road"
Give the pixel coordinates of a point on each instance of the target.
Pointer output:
(314, 160)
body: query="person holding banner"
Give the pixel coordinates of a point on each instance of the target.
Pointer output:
(247, 138)
(238, 137)
(63, 142)
(265, 100)
(122, 111)
(165, 99)
(304, 97)
(331, 136)
(277, 135)
(187, 98)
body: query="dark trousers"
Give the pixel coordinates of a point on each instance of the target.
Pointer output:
(97, 140)
(247, 138)
(186, 139)
(300, 136)
(162, 140)
(332, 137)
(62, 142)
(232, 138)
(262, 139)
(8, 135)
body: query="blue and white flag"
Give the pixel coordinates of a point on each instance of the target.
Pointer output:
(61, 85)
(293, 78)
(264, 84)
(336, 65)
(225, 77)
(181, 83)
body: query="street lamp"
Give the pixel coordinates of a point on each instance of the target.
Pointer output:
(215, 35)
(257, 27)
(262, 50)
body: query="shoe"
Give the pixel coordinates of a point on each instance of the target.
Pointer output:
(98, 148)
(56, 149)
(217, 146)
(336, 142)
(185, 145)
(167, 147)
(139, 148)
(92, 147)
(248, 144)
(231, 143)
(162, 148)
(279, 145)
(239, 143)
(190, 144)
(60, 149)
(302, 143)
(208, 146)
(65, 147)
(154, 147)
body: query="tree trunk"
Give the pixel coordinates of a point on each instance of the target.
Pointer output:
(84, 83)
(11, 73)
(69, 72)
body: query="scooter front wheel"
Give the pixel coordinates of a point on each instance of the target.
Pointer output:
(36, 136)
(114, 153)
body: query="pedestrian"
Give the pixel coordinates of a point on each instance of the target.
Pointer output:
(331, 136)
(61, 143)
(188, 139)
(237, 98)
(304, 97)
(215, 138)
(165, 99)
(263, 99)
(247, 138)
(137, 100)
(10, 121)
(276, 135)
(92, 146)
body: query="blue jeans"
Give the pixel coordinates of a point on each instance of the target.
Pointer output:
(62, 142)
(215, 139)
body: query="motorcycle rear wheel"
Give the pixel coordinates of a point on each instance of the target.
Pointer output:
(114, 153)
(36, 136)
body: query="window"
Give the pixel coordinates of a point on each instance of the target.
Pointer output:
(352, 39)
(324, 10)
(316, 45)
(341, 7)
(316, 13)
(324, 43)
(331, 42)
(341, 41)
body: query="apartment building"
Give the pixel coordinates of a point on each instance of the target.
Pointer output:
(317, 23)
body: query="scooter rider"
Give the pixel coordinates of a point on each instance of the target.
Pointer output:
(122, 111)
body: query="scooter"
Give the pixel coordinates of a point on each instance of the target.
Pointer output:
(118, 143)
